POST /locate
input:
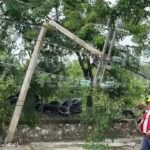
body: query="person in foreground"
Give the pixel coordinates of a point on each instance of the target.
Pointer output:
(144, 126)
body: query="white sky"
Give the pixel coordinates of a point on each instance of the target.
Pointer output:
(128, 39)
(112, 1)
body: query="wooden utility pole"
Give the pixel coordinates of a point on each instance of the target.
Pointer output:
(112, 45)
(25, 85)
(101, 61)
(74, 38)
(109, 54)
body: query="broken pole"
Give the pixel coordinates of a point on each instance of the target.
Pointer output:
(25, 85)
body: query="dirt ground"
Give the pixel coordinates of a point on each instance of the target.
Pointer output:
(62, 148)
(118, 144)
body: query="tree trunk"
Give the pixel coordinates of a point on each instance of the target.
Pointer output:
(88, 75)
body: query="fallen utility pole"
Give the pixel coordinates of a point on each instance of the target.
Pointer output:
(25, 85)
(74, 38)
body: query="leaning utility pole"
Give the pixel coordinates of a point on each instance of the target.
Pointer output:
(25, 85)
(101, 61)
(109, 54)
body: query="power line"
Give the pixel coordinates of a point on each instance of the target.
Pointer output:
(34, 6)
(129, 55)
(40, 71)
(143, 75)
(60, 46)
(75, 80)
(69, 49)
(45, 42)
(140, 74)
(66, 47)
(21, 22)
(27, 4)
(145, 62)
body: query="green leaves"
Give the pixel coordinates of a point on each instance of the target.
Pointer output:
(7, 86)
(102, 9)
(131, 87)
(73, 20)
(74, 70)
(41, 79)
(31, 33)
(99, 41)
(87, 32)
(137, 29)
(14, 10)
(92, 17)
(132, 10)
(101, 116)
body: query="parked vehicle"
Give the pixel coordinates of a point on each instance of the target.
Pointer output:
(66, 108)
